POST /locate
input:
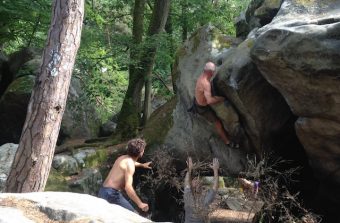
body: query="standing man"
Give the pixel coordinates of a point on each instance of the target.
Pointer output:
(197, 198)
(121, 177)
(204, 98)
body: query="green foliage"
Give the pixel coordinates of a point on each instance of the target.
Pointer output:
(154, 132)
(196, 13)
(97, 159)
(161, 82)
(23, 23)
(105, 84)
(103, 58)
(56, 181)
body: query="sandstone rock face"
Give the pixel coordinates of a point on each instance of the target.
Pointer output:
(253, 111)
(261, 108)
(258, 14)
(299, 54)
(62, 207)
(192, 133)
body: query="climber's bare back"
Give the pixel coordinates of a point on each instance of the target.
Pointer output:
(116, 177)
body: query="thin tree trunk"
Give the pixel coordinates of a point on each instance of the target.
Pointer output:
(108, 36)
(129, 116)
(184, 20)
(169, 30)
(35, 27)
(137, 32)
(32, 162)
(159, 16)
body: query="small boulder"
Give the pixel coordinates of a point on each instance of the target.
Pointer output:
(7, 153)
(66, 164)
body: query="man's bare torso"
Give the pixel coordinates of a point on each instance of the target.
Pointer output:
(199, 90)
(116, 177)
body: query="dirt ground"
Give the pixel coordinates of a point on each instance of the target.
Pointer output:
(28, 208)
(32, 212)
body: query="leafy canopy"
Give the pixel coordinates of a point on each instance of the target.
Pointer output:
(103, 58)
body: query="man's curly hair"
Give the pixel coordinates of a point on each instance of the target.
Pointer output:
(135, 147)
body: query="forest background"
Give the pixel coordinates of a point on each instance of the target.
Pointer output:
(116, 37)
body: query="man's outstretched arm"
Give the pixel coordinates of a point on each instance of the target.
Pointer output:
(129, 188)
(143, 165)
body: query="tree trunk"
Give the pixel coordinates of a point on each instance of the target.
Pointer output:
(184, 20)
(32, 162)
(169, 30)
(129, 116)
(159, 16)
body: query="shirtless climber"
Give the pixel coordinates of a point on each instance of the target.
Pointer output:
(121, 177)
(204, 98)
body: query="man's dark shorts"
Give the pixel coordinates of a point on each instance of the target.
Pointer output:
(114, 196)
(206, 111)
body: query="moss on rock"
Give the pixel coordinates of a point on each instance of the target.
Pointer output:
(305, 2)
(219, 40)
(181, 52)
(30, 68)
(266, 7)
(96, 160)
(56, 181)
(21, 85)
(128, 121)
(196, 42)
(160, 123)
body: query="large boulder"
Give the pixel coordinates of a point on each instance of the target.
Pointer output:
(9, 67)
(13, 108)
(262, 110)
(299, 53)
(107, 129)
(65, 164)
(253, 113)
(192, 133)
(258, 14)
(80, 119)
(44, 207)
(3, 67)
